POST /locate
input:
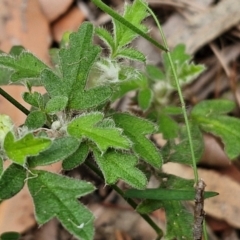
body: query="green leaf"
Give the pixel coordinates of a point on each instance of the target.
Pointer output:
(16, 50)
(25, 65)
(56, 196)
(77, 158)
(104, 137)
(76, 62)
(10, 236)
(56, 104)
(175, 211)
(19, 150)
(35, 119)
(208, 108)
(123, 35)
(35, 99)
(172, 110)
(180, 152)
(12, 181)
(145, 97)
(167, 126)
(185, 70)
(117, 165)
(60, 149)
(106, 37)
(155, 73)
(136, 130)
(166, 194)
(130, 53)
(225, 127)
(1, 166)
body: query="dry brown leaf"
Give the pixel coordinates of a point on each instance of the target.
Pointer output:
(226, 205)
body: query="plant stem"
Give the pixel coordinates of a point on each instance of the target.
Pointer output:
(122, 20)
(128, 200)
(14, 102)
(184, 111)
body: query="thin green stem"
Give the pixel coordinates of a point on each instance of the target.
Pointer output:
(205, 235)
(14, 102)
(119, 18)
(128, 200)
(184, 111)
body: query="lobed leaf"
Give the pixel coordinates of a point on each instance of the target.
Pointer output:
(76, 61)
(19, 150)
(24, 65)
(123, 35)
(56, 196)
(136, 130)
(87, 125)
(225, 127)
(116, 165)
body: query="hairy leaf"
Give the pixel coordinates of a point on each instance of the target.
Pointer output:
(87, 125)
(185, 70)
(209, 108)
(56, 104)
(76, 62)
(12, 181)
(145, 97)
(106, 37)
(130, 53)
(24, 66)
(167, 126)
(35, 99)
(56, 196)
(136, 130)
(225, 127)
(35, 119)
(60, 149)
(123, 35)
(19, 150)
(77, 158)
(180, 152)
(116, 165)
